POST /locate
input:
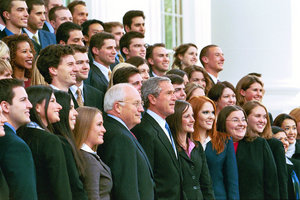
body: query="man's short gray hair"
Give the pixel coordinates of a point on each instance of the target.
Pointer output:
(114, 94)
(152, 86)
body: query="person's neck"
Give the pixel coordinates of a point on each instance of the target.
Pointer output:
(156, 111)
(13, 29)
(79, 83)
(33, 31)
(158, 72)
(214, 73)
(101, 63)
(59, 85)
(19, 73)
(201, 135)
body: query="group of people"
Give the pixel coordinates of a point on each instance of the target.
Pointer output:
(88, 112)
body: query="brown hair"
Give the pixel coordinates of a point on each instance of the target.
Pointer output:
(243, 84)
(5, 66)
(189, 89)
(175, 122)
(204, 52)
(267, 132)
(83, 124)
(218, 140)
(194, 68)
(180, 50)
(296, 114)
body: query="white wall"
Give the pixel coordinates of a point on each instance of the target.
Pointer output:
(256, 36)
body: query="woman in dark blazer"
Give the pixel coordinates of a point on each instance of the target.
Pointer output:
(63, 129)
(49, 159)
(256, 166)
(196, 178)
(218, 148)
(89, 132)
(259, 122)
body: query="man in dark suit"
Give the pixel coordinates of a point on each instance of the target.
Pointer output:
(103, 48)
(156, 138)
(16, 159)
(212, 59)
(36, 20)
(84, 94)
(132, 173)
(14, 14)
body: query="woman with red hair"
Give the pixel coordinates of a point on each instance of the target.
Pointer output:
(218, 148)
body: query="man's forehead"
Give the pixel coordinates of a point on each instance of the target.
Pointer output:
(18, 4)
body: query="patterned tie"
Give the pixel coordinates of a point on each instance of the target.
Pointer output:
(109, 74)
(79, 97)
(171, 137)
(121, 59)
(34, 37)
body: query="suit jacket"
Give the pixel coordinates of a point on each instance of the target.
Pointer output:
(92, 97)
(98, 181)
(45, 27)
(97, 79)
(280, 161)
(17, 166)
(197, 183)
(296, 155)
(46, 38)
(130, 167)
(223, 171)
(257, 170)
(2, 34)
(49, 159)
(4, 194)
(76, 184)
(165, 165)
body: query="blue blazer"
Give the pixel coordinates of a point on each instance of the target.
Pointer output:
(17, 166)
(46, 38)
(223, 171)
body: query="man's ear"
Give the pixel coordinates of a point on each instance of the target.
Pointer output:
(127, 28)
(204, 59)
(152, 99)
(150, 61)
(95, 50)
(62, 42)
(6, 15)
(125, 50)
(117, 107)
(5, 106)
(53, 71)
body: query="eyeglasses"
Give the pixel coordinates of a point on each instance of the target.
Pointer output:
(235, 120)
(136, 104)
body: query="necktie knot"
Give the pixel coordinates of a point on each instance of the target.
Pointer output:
(35, 38)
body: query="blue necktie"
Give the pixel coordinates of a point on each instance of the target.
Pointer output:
(295, 181)
(170, 134)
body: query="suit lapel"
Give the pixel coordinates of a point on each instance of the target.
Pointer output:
(163, 138)
(126, 132)
(73, 98)
(100, 74)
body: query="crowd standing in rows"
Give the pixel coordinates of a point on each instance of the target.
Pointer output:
(88, 112)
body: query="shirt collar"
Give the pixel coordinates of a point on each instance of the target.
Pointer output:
(103, 69)
(74, 88)
(30, 35)
(8, 32)
(206, 141)
(2, 27)
(291, 150)
(34, 125)
(215, 80)
(119, 120)
(86, 148)
(11, 127)
(158, 119)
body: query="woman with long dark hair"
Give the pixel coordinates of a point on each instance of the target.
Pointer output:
(218, 148)
(196, 178)
(256, 165)
(63, 129)
(48, 155)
